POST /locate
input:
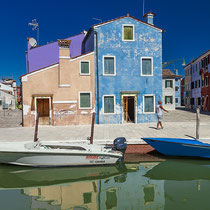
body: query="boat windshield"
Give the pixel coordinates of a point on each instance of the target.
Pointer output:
(65, 147)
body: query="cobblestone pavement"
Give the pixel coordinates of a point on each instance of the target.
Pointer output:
(178, 124)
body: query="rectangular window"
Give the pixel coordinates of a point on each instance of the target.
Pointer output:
(192, 101)
(176, 88)
(128, 33)
(206, 81)
(109, 102)
(109, 65)
(206, 61)
(196, 85)
(168, 83)
(192, 85)
(85, 68)
(87, 197)
(149, 104)
(85, 100)
(168, 99)
(0, 103)
(146, 67)
(199, 83)
(199, 101)
(176, 100)
(176, 79)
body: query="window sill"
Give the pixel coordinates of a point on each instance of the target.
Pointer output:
(84, 74)
(83, 108)
(64, 86)
(149, 75)
(124, 40)
(108, 113)
(109, 75)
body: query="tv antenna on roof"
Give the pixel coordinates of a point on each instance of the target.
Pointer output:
(35, 27)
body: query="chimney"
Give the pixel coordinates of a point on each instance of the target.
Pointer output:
(64, 57)
(149, 17)
(176, 71)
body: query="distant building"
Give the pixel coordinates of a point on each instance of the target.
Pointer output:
(197, 83)
(183, 93)
(8, 94)
(19, 95)
(188, 91)
(170, 87)
(205, 74)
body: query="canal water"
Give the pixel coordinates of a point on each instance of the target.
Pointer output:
(143, 182)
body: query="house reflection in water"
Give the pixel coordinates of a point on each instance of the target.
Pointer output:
(133, 190)
(79, 195)
(130, 190)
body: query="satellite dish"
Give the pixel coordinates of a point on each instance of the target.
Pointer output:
(32, 42)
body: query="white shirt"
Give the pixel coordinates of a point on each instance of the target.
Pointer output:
(159, 110)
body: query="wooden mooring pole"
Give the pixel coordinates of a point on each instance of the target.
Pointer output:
(92, 127)
(36, 128)
(197, 123)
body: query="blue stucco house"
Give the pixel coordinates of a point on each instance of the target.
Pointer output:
(128, 69)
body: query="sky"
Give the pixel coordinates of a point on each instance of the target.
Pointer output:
(186, 22)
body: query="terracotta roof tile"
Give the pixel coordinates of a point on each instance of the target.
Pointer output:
(167, 73)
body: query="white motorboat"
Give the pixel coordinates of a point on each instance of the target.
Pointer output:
(54, 154)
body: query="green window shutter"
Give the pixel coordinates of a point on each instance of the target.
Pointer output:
(148, 104)
(128, 32)
(146, 66)
(108, 104)
(84, 100)
(85, 67)
(165, 99)
(171, 99)
(109, 65)
(165, 83)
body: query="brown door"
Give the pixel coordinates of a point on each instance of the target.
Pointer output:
(43, 109)
(129, 109)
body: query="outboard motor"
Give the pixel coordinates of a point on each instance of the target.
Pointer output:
(120, 144)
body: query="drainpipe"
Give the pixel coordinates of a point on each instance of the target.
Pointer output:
(97, 77)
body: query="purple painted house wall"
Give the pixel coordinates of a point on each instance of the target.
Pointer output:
(48, 54)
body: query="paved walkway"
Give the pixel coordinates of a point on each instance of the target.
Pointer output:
(178, 124)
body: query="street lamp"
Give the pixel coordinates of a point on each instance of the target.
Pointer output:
(165, 64)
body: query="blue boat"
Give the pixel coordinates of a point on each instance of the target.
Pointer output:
(179, 147)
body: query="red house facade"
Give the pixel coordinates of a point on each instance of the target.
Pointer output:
(205, 74)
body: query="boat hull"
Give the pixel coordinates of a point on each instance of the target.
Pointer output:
(179, 147)
(54, 160)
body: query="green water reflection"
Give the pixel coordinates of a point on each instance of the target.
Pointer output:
(150, 184)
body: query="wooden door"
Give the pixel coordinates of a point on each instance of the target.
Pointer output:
(43, 108)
